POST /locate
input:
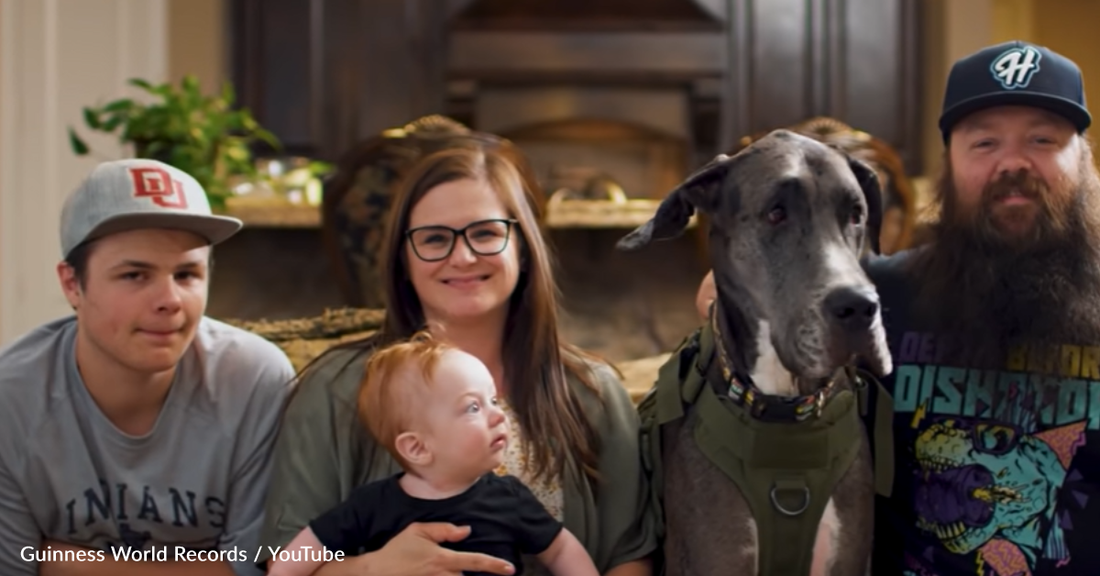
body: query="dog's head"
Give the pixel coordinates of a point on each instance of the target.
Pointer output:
(790, 218)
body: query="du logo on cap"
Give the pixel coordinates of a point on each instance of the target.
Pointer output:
(158, 184)
(1014, 68)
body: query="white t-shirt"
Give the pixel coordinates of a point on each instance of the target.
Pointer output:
(198, 479)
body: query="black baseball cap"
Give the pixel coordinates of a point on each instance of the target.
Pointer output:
(1014, 73)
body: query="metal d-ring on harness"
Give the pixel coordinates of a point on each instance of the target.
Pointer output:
(786, 455)
(783, 510)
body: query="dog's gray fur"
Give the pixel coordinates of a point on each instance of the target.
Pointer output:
(797, 282)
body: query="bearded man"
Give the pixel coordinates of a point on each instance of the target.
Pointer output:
(995, 331)
(994, 326)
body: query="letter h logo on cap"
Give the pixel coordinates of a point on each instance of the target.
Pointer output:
(157, 184)
(1014, 68)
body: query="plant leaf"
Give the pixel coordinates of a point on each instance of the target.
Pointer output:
(269, 138)
(112, 123)
(78, 145)
(229, 94)
(319, 168)
(91, 118)
(143, 84)
(190, 85)
(123, 105)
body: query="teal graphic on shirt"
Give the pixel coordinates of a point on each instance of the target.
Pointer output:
(993, 448)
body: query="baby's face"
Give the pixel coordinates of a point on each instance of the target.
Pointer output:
(467, 429)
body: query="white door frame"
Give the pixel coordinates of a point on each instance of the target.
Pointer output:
(57, 56)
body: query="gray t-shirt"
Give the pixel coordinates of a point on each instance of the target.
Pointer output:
(197, 480)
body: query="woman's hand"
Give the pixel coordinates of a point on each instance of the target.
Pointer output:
(416, 551)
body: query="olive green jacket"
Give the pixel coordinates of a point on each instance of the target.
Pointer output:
(323, 453)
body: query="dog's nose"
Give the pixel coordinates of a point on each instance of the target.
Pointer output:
(852, 307)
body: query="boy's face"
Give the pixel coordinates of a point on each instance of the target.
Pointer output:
(466, 431)
(143, 296)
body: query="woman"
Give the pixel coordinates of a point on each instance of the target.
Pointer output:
(466, 259)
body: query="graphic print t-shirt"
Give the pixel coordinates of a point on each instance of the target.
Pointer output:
(997, 470)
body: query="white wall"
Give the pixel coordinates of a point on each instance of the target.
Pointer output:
(55, 57)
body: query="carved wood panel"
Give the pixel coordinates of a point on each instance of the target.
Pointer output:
(854, 60)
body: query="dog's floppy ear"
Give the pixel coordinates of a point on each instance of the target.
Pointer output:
(872, 193)
(697, 192)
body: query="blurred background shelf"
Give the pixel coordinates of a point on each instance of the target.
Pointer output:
(275, 215)
(569, 214)
(596, 214)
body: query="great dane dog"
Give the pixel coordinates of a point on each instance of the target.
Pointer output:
(790, 218)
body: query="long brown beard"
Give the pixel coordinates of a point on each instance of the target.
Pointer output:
(990, 291)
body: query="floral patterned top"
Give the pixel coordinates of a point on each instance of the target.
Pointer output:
(548, 491)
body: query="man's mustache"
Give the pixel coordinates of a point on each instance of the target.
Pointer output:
(1021, 183)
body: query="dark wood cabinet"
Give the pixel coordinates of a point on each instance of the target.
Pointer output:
(323, 74)
(854, 60)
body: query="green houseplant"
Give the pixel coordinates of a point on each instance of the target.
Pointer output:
(201, 135)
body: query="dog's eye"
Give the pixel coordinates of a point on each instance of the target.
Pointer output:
(856, 217)
(777, 215)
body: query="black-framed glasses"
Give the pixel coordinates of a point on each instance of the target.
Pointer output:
(484, 237)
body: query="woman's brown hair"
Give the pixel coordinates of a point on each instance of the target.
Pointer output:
(547, 407)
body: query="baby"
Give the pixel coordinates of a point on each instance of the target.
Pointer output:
(434, 408)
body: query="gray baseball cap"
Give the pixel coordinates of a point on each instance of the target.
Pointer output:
(135, 193)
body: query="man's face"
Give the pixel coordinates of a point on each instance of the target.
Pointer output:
(143, 295)
(1013, 166)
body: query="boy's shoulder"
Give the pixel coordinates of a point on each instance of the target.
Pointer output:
(33, 373)
(233, 358)
(223, 342)
(238, 377)
(33, 349)
(32, 368)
